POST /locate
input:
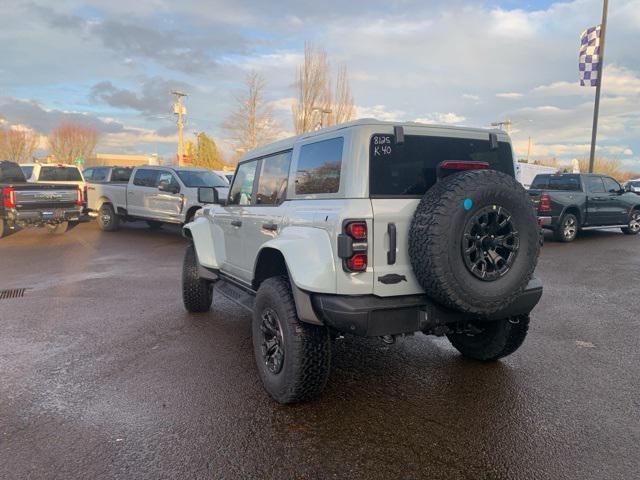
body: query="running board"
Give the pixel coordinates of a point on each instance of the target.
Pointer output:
(604, 226)
(236, 294)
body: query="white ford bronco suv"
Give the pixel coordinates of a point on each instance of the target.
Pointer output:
(374, 229)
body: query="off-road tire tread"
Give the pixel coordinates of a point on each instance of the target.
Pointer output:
(310, 346)
(197, 294)
(506, 341)
(429, 239)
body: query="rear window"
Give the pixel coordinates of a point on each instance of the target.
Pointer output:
(60, 174)
(569, 183)
(409, 169)
(11, 172)
(27, 171)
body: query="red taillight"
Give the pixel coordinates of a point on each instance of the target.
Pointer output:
(79, 198)
(545, 203)
(356, 230)
(8, 197)
(357, 263)
(463, 165)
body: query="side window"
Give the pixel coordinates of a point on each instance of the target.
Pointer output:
(319, 167)
(595, 185)
(88, 174)
(242, 188)
(146, 178)
(272, 184)
(168, 178)
(610, 185)
(99, 174)
(120, 174)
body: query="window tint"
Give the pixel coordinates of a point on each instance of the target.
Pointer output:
(120, 174)
(610, 185)
(100, 174)
(319, 167)
(409, 169)
(60, 174)
(540, 182)
(242, 188)
(168, 178)
(146, 178)
(564, 182)
(201, 178)
(11, 172)
(27, 171)
(272, 184)
(595, 184)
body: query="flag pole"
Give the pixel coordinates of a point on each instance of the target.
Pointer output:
(596, 108)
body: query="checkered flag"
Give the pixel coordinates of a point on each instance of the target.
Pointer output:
(589, 60)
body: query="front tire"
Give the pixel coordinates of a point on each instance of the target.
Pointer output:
(634, 224)
(490, 341)
(197, 293)
(293, 357)
(108, 220)
(567, 229)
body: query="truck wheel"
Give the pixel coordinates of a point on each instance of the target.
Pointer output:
(474, 241)
(293, 357)
(154, 225)
(634, 224)
(108, 220)
(489, 341)
(567, 228)
(197, 293)
(58, 228)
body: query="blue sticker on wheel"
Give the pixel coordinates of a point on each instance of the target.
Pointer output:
(467, 204)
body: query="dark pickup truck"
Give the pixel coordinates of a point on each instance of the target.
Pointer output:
(23, 204)
(570, 202)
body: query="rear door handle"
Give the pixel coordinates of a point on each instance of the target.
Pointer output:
(236, 223)
(270, 226)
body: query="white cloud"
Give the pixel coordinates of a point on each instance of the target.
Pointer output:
(448, 118)
(509, 95)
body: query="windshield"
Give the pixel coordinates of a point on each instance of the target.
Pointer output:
(634, 184)
(60, 174)
(200, 178)
(409, 169)
(27, 171)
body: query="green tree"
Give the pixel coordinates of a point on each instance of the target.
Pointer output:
(206, 153)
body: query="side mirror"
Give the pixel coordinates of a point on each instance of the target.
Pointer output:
(167, 187)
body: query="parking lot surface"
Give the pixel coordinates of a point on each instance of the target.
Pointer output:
(104, 375)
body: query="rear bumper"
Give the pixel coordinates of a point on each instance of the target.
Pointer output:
(35, 217)
(548, 222)
(371, 316)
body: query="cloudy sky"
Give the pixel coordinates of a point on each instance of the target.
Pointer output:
(112, 63)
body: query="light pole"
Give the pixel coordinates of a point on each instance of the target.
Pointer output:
(322, 112)
(179, 110)
(506, 125)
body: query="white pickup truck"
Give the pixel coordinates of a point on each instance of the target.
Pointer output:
(156, 195)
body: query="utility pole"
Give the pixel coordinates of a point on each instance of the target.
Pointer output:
(596, 107)
(529, 149)
(180, 111)
(506, 126)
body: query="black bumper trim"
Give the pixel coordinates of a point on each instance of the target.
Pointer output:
(372, 316)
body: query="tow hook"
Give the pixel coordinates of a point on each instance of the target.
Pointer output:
(388, 339)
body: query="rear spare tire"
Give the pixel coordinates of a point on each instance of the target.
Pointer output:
(473, 241)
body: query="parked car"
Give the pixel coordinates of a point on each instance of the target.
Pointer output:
(107, 174)
(53, 206)
(570, 202)
(228, 176)
(373, 229)
(58, 173)
(632, 186)
(155, 194)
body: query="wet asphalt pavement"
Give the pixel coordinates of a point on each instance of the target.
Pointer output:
(104, 375)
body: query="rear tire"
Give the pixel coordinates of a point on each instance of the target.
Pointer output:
(496, 339)
(293, 357)
(634, 224)
(58, 228)
(108, 220)
(567, 228)
(197, 293)
(474, 241)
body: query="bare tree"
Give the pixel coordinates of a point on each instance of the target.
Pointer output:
(18, 145)
(70, 141)
(315, 104)
(251, 123)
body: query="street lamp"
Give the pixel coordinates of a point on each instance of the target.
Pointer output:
(322, 111)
